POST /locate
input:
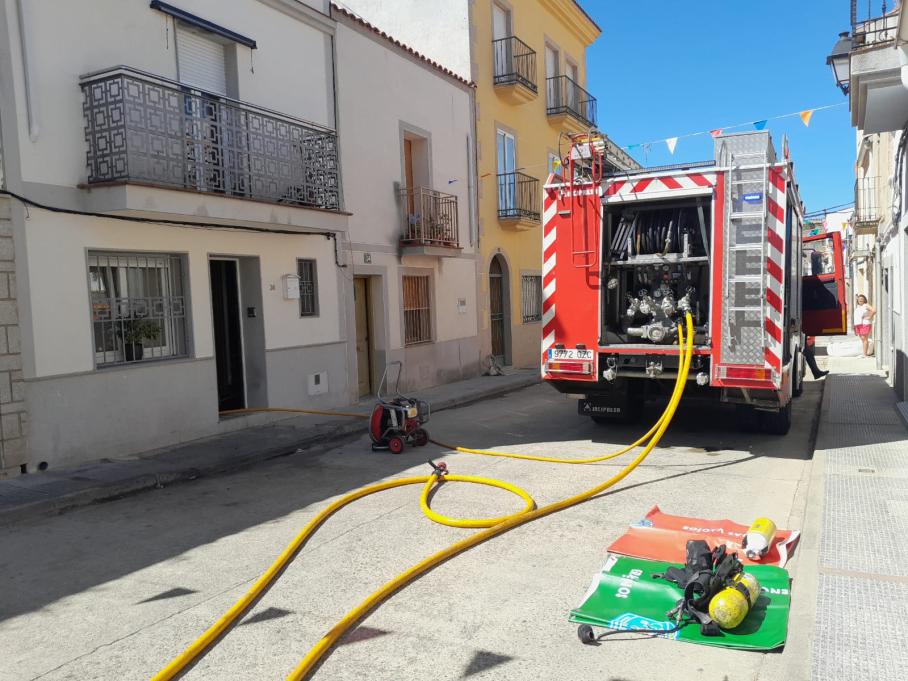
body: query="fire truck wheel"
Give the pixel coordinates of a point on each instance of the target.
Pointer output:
(396, 445)
(777, 423)
(747, 418)
(420, 437)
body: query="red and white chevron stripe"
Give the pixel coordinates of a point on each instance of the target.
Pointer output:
(549, 232)
(775, 274)
(620, 189)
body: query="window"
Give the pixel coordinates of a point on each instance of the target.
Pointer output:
(308, 288)
(552, 67)
(507, 179)
(501, 22)
(201, 59)
(417, 310)
(532, 298)
(137, 307)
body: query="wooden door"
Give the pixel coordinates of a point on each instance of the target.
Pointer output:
(363, 341)
(408, 176)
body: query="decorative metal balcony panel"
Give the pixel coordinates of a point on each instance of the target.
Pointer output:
(148, 130)
(565, 96)
(430, 218)
(518, 196)
(513, 61)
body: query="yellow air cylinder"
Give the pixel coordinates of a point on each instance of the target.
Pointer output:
(758, 539)
(730, 606)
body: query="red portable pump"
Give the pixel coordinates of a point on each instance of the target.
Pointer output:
(397, 420)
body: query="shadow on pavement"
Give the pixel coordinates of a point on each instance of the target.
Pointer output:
(48, 559)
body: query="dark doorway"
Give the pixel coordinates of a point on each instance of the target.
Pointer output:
(228, 339)
(498, 299)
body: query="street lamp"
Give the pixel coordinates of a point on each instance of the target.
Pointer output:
(839, 60)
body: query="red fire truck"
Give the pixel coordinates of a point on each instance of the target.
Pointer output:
(626, 254)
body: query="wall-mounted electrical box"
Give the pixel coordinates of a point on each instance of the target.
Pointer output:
(318, 383)
(290, 286)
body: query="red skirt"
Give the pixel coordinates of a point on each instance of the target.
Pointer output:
(863, 330)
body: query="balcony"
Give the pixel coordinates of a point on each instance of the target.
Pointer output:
(514, 69)
(867, 212)
(429, 222)
(518, 200)
(879, 72)
(569, 105)
(144, 130)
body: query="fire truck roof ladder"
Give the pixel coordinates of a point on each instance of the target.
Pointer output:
(745, 247)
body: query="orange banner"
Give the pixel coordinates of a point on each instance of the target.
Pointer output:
(660, 536)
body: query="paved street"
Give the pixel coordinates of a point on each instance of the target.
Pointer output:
(115, 590)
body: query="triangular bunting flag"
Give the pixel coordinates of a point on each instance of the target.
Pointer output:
(760, 125)
(806, 116)
(716, 132)
(671, 143)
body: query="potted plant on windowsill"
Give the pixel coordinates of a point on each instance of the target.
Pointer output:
(134, 332)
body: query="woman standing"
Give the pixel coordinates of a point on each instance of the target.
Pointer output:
(863, 318)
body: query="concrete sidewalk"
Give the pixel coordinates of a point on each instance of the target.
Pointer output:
(258, 437)
(852, 574)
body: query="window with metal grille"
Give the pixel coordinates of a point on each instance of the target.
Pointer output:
(308, 288)
(532, 298)
(417, 310)
(138, 310)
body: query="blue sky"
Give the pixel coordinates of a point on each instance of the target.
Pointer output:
(661, 71)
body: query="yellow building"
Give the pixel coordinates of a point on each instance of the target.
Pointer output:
(529, 65)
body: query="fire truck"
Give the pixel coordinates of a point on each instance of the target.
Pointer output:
(628, 253)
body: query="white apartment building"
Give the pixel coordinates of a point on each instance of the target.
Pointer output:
(182, 243)
(408, 149)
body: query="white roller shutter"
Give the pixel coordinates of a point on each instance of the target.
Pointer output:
(201, 61)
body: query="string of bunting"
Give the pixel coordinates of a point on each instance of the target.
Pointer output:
(672, 142)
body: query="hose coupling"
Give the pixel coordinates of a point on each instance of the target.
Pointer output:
(441, 469)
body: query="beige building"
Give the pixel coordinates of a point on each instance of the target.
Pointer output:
(407, 149)
(876, 79)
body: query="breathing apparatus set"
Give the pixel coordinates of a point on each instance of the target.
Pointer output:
(717, 592)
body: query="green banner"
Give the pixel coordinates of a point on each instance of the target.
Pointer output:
(626, 596)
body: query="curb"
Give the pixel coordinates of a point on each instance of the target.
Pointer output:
(169, 474)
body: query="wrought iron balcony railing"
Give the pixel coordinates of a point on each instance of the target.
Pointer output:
(867, 29)
(513, 61)
(149, 130)
(430, 218)
(518, 196)
(866, 204)
(564, 96)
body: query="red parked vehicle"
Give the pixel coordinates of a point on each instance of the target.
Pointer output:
(627, 254)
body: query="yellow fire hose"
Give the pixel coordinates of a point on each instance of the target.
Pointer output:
(494, 527)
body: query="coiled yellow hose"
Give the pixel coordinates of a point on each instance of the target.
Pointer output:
(494, 527)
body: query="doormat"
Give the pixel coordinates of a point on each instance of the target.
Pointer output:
(660, 536)
(626, 596)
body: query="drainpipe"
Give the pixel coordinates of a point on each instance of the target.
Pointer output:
(23, 9)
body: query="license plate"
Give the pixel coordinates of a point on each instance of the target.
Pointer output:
(570, 354)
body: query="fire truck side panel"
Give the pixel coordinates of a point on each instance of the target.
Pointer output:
(570, 309)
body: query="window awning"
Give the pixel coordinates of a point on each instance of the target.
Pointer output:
(204, 24)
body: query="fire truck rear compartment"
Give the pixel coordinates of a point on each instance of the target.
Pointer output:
(656, 268)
